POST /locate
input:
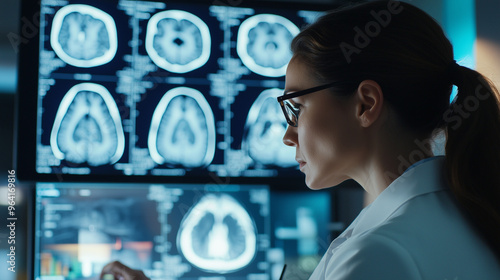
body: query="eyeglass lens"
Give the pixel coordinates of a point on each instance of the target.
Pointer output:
(291, 113)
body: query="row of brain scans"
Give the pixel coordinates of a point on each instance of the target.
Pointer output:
(88, 129)
(177, 41)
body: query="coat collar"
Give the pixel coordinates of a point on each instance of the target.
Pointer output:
(420, 179)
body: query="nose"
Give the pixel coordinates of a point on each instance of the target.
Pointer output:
(291, 137)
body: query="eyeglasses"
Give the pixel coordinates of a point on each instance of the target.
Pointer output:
(290, 111)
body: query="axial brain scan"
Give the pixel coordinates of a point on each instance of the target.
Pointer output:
(84, 36)
(218, 234)
(178, 41)
(263, 44)
(87, 127)
(264, 130)
(182, 129)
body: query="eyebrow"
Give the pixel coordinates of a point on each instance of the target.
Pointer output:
(289, 91)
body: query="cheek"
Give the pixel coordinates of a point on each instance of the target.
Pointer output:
(317, 141)
(331, 140)
(328, 142)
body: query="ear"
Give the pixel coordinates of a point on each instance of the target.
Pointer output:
(370, 100)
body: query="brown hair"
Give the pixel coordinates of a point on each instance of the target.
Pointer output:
(405, 50)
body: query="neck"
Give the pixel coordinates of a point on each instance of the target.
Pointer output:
(390, 157)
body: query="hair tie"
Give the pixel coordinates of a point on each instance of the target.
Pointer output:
(453, 73)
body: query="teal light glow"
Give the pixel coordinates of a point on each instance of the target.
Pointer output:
(8, 79)
(459, 23)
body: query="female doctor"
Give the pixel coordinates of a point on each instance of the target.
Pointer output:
(366, 91)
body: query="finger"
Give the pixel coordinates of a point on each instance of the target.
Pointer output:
(118, 269)
(107, 269)
(139, 275)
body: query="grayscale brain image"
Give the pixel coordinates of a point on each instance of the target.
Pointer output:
(264, 44)
(183, 129)
(178, 41)
(88, 127)
(264, 130)
(84, 36)
(218, 234)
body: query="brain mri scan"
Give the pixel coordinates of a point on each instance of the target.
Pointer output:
(87, 127)
(178, 41)
(84, 36)
(182, 131)
(263, 44)
(264, 130)
(218, 234)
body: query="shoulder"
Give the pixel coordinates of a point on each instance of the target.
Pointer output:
(426, 238)
(372, 256)
(393, 249)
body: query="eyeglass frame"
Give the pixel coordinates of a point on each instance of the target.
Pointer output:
(286, 96)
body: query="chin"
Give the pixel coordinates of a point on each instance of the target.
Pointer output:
(323, 184)
(317, 185)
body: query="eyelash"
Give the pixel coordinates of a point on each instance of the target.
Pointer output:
(296, 107)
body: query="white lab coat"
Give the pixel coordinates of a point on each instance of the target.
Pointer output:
(413, 230)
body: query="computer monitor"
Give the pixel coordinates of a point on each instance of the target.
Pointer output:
(302, 227)
(147, 90)
(168, 231)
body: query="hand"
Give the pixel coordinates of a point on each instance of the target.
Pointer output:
(122, 272)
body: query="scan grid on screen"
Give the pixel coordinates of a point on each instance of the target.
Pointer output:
(163, 88)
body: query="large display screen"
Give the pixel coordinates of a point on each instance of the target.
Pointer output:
(174, 88)
(168, 231)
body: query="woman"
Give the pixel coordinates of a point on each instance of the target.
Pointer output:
(366, 90)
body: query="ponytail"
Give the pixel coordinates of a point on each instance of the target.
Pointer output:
(473, 152)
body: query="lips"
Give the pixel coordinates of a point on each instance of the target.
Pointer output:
(301, 163)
